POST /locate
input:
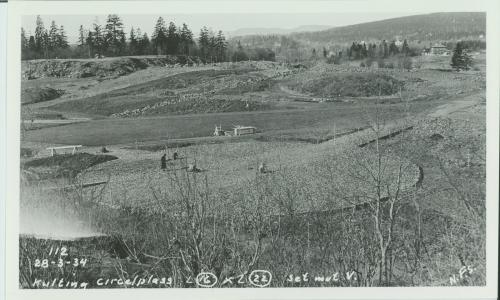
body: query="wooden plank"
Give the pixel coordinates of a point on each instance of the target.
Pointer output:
(85, 185)
(64, 147)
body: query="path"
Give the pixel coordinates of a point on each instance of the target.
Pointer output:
(456, 105)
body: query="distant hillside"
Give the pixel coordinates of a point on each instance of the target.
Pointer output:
(430, 27)
(266, 31)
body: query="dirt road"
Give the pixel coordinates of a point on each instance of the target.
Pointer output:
(456, 105)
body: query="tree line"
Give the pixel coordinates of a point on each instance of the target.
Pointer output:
(44, 43)
(111, 40)
(383, 50)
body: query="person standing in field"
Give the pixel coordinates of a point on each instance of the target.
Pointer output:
(163, 161)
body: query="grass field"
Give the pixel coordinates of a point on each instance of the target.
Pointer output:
(343, 116)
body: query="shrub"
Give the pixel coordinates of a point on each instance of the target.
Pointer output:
(27, 152)
(461, 60)
(334, 59)
(381, 63)
(348, 84)
(404, 63)
(369, 62)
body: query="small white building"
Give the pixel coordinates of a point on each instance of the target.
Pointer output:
(439, 49)
(242, 130)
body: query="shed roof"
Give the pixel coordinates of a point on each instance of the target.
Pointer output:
(438, 46)
(244, 127)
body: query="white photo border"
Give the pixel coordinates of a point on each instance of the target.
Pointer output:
(17, 9)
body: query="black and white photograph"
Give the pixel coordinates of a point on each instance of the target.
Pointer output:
(163, 149)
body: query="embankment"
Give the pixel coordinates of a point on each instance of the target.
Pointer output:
(103, 68)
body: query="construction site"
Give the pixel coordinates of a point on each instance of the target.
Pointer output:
(148, 167)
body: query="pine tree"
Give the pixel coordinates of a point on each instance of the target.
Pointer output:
(221, 46)
(186, 40)
(133, 43)
(114, 36)
(32, 45)
(172, 39)
(97, 40)
(204, 43)
(27, 45)
(39, 36)
(461, 60)
(385, 49)
(139, 36)
(62, 39)
(393, 49)
(364, 51)
(372, 50)
(122, 45)
(405, 49)
(24, 41)
(83, 48)
(159, 37)
(45, 44)
(144, 44)
(212, 46)
(81, 36)
(159, 26)
(53, 36)
(90, 43)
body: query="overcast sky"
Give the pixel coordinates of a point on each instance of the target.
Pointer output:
(224, 22)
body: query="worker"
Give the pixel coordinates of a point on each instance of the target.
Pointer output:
(262, 168)
(163, 161)
(193, 168)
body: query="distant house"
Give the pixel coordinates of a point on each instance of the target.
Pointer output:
(439, 49)
(242, 130)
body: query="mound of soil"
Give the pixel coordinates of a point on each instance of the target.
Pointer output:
(64, 165)
(27, 152)
(347, 85)
(168, 95)
(39, 94)
(195, 104)
(103, 68)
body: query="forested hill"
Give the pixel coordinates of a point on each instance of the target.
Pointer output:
(429, 27)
